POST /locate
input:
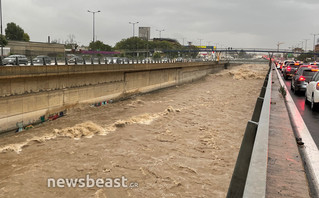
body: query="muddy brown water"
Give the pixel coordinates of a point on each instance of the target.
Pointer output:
(177, 142)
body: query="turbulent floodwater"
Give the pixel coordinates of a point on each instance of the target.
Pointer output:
(178, 142)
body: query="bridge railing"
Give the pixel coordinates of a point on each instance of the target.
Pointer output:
(250, 172)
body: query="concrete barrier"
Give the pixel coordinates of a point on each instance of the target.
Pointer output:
(249, 176)
(30, 92)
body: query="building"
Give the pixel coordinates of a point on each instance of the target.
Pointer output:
(36, 48)
(144, 33)
(317, 48)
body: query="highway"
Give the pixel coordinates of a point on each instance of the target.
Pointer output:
(311, 118)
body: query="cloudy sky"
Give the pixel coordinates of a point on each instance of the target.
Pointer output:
(230, 23)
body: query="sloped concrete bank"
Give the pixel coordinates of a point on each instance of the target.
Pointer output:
(31, 94)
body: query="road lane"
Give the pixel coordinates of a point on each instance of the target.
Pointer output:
(311, 118)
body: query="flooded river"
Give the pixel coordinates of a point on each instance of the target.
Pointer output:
(177, 142)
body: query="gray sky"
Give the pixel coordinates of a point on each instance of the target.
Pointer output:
(231, 23)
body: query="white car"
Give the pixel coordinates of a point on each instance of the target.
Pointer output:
(312, 92)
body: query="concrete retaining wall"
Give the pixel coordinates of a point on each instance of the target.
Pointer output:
(27, 93)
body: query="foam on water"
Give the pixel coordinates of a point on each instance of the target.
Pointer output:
(89, 129)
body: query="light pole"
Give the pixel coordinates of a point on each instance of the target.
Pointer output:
(314, 41)
(1, 26)
(306, 44)
(160, 31)
(200, 42)
(93, 12)
(278, 44)
(301, 45)
(133, 23)
(183, 41)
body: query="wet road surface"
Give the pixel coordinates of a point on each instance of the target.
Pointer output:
(311, 118)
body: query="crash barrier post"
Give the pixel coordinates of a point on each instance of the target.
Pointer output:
(249, 176)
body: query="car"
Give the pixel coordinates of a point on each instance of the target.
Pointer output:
(147, 60)
(278, 64)
(285, 63)
(312, 92)
(179, 59)
(111, 60)
(76, 60)
(123, 60)
(300, 80)
(313, 63)
(108, 60)
(165, 60)
(290, 69)
(41, 59)
(12, 60)
(308, 66)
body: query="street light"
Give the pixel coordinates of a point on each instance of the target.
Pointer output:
(200, 42)
(133, 23)
(306, 44)
(160, 31)
(314, 41)
(278, 44)
(93, 12)
(1, 26)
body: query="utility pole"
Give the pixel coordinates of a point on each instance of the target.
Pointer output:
(278, 44)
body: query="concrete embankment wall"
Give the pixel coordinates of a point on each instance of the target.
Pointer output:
(29, 92)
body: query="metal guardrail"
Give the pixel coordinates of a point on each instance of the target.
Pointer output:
(250, 172)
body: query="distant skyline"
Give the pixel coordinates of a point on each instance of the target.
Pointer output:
(229, 23)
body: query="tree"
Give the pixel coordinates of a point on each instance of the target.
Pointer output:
(100, 46)
(70, 43)
(131, 44)
(16, 33)
(134, 44)
(26, 37)
(305, 57)
(156, 55)
(3, 41)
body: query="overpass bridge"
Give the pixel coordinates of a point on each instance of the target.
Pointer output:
(30, 94)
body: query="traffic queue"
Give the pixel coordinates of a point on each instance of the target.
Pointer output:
(304, 79)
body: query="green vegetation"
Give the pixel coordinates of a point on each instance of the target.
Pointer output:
(305, 57)
(3, 41)
(282, 91)
(26, 37)
(16, 33)
(100, 46)
(134, 45)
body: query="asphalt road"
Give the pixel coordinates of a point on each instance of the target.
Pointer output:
(311, 118)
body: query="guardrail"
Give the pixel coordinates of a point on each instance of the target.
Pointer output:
(250, 172)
